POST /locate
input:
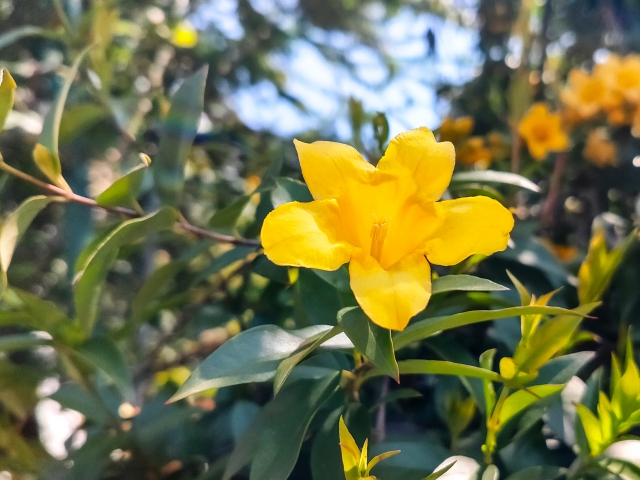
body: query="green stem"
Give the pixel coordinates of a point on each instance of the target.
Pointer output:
(493, 425)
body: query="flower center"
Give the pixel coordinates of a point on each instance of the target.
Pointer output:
(378, 235)
(541, 132)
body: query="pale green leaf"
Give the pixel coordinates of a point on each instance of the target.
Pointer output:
(466, 283)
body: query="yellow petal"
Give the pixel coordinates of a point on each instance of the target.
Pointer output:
(305, 235)
(391, 297)
(470, 225)
(330, 169)
(417, 154)
(349, 448)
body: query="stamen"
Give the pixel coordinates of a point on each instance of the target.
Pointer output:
(378, 235)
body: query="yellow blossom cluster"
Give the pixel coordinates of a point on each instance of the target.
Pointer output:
(472, 150)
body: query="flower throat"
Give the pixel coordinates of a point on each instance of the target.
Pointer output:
(378, 235)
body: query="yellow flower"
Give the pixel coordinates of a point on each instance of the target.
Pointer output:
(385, 221)
(586, 94)
(542, 131)
(455, 130)
(622, 75)
(599, 150)
(184, 35)
(498, 145)
(474, 151)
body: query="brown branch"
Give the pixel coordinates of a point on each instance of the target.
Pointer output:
(127, 212)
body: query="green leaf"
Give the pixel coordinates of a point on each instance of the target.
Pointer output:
(539, 472)
(33, 312)
(102, 353)
(521, 399)
(288, 364)
(439, 367)
(178, 132)
(7, 95)
(16, 34)
(97, 261)
(562, 369)
(339, 278)
(399, 394)
(14, 228)
(290, 190)
(427, 327)
(486, 362)
(491, 176)
(550, 338)
(291, 413)
(320, 301)
(372, 341)
(466, 283)
(592, 429)
(438, 473)
(46, 154)
(226, 218)
(21, 341)
(252, 356)
(76, 398)
(227, 258)
(124, 191)
(525, 296)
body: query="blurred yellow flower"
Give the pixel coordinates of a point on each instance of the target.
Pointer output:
(564, 253)
(622, 75)
(585, 94)
(599, 149)
(386, 221)
(474, 152)
(498, 145)
(542, 131)
(184, 35)
(455, 130)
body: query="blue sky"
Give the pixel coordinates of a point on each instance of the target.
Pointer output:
(324, 87)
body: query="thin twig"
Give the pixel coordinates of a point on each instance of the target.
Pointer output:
(127, 212)
(546, 214)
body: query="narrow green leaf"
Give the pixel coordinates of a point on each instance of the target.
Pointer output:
(7, 95)
(525, 296)
(21, 341)
(491, 176)
(152, 288)
(226, 218)
(104, 354)
(46, 154)
(440, 367)
(486, 362)
(427, 327)
(124, 191)
(280, 443)
(592, 429)
(14, 228)
(89, 279)
(252, 356)
(466, 283)
(178, 132)
(550, 338)
(521, 399)
(16, 34)
(288, 364)
(438, 473)
(372, 341)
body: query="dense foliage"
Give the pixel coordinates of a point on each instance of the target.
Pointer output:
(141, 286)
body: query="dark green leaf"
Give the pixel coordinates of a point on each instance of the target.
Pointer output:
(467, 283)
(226, 218)
(104, 355)
(290, 190)
(437, 474)
(252, 356)
(372, 341)
(562, 369)
(287, 365)
(320, 300)
(16, 34)
(21, 341)
(178, 132)
(540, 472)
(14, 228)
(280, 443)
(96, 263)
